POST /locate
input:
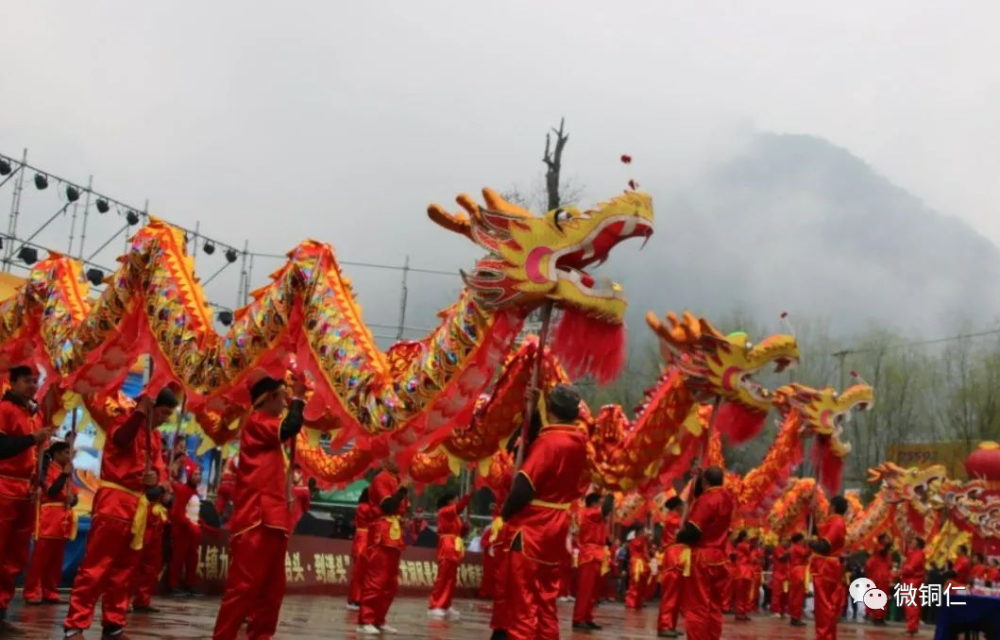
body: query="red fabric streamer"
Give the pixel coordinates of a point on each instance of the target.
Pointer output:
(626, 159)
(829, 467)
(589, 346)
(739, 423)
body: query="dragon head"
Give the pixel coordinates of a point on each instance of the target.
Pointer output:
(908, 485)
(532, 258)
(826, 412)
(722, 365)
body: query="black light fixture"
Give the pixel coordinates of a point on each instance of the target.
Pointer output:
(231, 255)
(209, 247)
(132, 218)
(4, 167)
(102, 206)
(72, 193)
(41, 181)
(96, 277)
(28, 255)
(225, 318)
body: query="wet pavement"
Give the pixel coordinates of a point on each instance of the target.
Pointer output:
(315, 617)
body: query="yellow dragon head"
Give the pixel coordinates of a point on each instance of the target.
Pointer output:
(912, 484)
(533, 258)
(824, 411)
(721, 365)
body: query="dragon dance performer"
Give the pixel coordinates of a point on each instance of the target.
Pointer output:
(260, 523)
(185, 531)
(798, 567)
(707, 532)
(147, 577)
(675, 570)
(227, 487)
(120, 513)
(364, 516)
(827, 572)
(591, 537)
(744, 576)
(757, 573)
(385, 545)
(780, 559)
(962, 567)
(486, 587)
(450, 551)
(878, 569)
(537, 517)
(55, 525)
(912, 575)
(638, 572)
(21, 433)
(301, 498)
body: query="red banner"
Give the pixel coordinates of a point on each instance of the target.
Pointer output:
(323, 566)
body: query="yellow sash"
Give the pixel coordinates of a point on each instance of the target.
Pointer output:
(561, 506)
(495, 527)
(638, 568)
(395, 529)
(685, 560)
(161, 512)
(141, 512)
(605, 563)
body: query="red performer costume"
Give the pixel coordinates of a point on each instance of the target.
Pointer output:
(537, 516)
(260, 524)
(450, 551)
(227, 487)
(147, 577)
(301, 498)
(676, 568)
(707, 531)
(827, 572)
(120, 513)
(21, 432)
(56, 525)
(962, 567)
(185, 531)
(780, 558)
(758, 576)
(912, 575)
(878, 569)
(591, 536)
(386, 544)
(638, 570)
(364, 516)
(486, 590)
(798, 567)
(744, 576)
(498, 547)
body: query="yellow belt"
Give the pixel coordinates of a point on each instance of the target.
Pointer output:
(561, 506)
(459, 542)
(74, 518)
(160, 511)
(361, 530)
(495, 528)
(395, 529)
(685, 560)
(141, 512)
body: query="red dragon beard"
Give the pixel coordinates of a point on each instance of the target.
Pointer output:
(589, 346)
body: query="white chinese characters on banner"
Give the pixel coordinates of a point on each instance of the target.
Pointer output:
(930, 595)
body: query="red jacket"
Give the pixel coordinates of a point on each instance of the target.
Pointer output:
(450, 544)
(18, 472)
(123, 464)
(260, 478)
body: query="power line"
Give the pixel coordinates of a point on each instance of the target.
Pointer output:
(369, 265)
(918, 343)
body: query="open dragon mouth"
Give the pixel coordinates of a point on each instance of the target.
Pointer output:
(758, 391)
(570, 262)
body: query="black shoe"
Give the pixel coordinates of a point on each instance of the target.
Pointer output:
(798, 623)
(581, 626)
(667, 633)
(593, 626)
(498, 634)
(192, 593)
(33, 603)
(68, 634)
(176, 593)
(113, 632)
(145, 609)
(53, 601)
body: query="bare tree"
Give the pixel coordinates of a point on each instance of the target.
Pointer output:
(553, 164)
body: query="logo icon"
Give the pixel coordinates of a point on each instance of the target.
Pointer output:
(863, 590)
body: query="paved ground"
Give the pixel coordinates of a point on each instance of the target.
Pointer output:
(315, 617)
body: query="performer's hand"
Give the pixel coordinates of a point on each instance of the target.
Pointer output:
(149, 479)
(145, 406)
(42, 435)
(299, 386)
(68, 469)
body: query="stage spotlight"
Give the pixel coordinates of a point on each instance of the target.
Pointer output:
(96, 277)
(231, 255)
(225, 318)
(132, 218)
(28, 255)
(209, 247)
(4, 168)
(102, 206)
(72, 194)
(41, 181)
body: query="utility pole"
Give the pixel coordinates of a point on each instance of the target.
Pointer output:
(842, 357)
(402, 300)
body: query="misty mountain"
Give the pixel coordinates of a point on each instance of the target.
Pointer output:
(794, 223)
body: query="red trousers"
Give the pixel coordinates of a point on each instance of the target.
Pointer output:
(700, 602)
(17, 522)
(532, 591)
(255, 586)
(566, 580)
(45, 570)
(744, 601)
(444, 585)
(501, 558)
(912, 611)
(106, 573)
(728, 592)
(637, 582)
(588, 590)
(380, 583)
(828, 587)
(358, 552)
(147, 576)
(670, 599)
(779, 597)
(797, 593)
(489, 575)
(184, 556)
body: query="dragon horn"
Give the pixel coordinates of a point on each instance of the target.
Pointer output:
(457, 223)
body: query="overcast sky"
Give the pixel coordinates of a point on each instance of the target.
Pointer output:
(271, 122)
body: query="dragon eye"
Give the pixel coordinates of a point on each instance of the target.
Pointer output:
(560, 216)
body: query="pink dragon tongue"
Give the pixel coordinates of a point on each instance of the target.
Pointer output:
(589, 346)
